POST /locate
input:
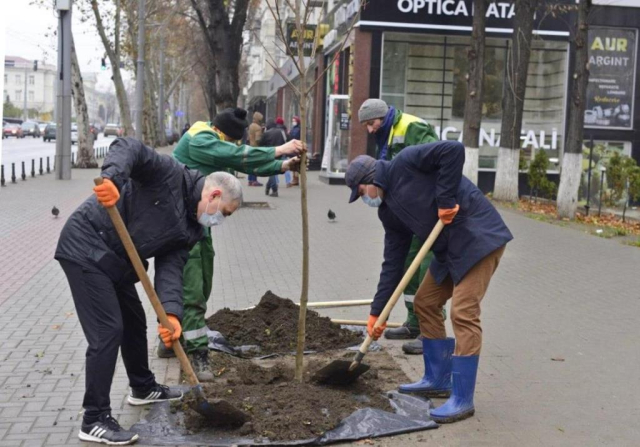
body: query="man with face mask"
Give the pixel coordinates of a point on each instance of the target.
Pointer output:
(420, 186)
(164, 206)
(394, 130)
(211, 147)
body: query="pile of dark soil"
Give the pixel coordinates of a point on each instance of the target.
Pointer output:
(272, 324)
(282, 409)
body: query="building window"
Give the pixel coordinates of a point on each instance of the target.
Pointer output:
(32, 80)
(18, 95)
(6, 96)
(18, 79)
(6, 79)
(31, 96)
(424, 75)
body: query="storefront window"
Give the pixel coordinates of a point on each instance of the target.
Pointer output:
(425, 75)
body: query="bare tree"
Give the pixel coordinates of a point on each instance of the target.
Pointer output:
(306, 83)
(475, 87)
(114, 54)
(506, 185)
(222, 24)
(86, 157)
(572, 158)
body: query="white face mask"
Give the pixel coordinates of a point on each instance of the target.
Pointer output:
(294, 123)
(372, 202)
(211, 220)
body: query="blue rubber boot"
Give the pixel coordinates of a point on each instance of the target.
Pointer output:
(436, 382)
(460, 404)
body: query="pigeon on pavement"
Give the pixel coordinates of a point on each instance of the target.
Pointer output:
(331, 215)
(55, 211)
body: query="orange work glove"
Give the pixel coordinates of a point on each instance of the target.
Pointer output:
(107, 193)
(377, 332)
(165, 334)
(447, 215)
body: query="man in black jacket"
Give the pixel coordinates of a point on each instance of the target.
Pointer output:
(276, 135)
(164, 206)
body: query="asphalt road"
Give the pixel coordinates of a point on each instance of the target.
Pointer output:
(13, 150)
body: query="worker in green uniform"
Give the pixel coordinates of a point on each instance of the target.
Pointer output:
(210, 147)
(394, 130)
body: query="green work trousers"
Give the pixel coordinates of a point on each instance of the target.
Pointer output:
(197, 282)
(412, 287)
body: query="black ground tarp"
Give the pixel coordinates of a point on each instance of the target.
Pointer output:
(161, 427)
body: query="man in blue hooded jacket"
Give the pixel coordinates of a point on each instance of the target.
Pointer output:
(420, 185)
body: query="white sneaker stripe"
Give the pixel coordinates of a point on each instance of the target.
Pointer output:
(93, 430)
(101, 433)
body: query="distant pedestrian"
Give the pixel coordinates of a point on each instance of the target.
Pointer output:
(275, 135)
(255, 134)
(185, 129)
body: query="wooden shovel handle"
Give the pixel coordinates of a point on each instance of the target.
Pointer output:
(114, 214)
(404, 282)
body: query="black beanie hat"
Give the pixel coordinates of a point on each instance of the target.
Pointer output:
(232, 122)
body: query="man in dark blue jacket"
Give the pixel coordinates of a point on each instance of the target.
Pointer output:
(420, 185)
(164, 205)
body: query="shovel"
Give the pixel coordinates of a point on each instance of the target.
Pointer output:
(343, 372)
(218, 412)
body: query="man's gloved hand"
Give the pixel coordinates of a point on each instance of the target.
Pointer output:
(107, 193)
(377, 332)
(447, 215)
(292, 164)
(292, 148)
(165, 334)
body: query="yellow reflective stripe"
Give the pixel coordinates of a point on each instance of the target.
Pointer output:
(399, 131)
(200, 126)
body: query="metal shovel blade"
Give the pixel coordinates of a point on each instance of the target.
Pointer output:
(337, 373)
(218, 412)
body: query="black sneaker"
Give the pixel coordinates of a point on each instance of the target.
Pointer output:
(107, 431)
(158, 393)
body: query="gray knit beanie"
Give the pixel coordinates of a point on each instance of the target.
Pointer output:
(371, 109)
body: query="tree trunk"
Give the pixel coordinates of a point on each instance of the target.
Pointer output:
(506, 185)
(224, 41)
(150, 112)
(86, 158)
(475, 87)
(567, 200)
(114, 60)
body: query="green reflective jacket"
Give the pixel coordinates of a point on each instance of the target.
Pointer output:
(408, 130)
(201, 148)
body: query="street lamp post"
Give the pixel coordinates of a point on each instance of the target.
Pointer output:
(140, 73)
(63, 103)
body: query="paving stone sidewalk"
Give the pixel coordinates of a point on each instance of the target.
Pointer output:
(560, 350)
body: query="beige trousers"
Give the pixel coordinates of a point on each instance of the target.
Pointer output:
(465, 304)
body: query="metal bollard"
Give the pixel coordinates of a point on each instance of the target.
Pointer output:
(24, 175)
(72, 159)
(2, 176)
(33, 168)
(41, 166)
(13, 172)
(48, 170)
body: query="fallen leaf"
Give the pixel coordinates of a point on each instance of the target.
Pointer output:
(560, 429)
(557, 359)
(55, 326)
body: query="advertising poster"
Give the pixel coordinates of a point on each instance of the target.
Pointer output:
(612, 76)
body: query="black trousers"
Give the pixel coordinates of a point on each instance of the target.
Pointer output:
(112, 318)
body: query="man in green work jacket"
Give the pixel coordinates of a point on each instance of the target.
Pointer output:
(394, 130)
(210, 147)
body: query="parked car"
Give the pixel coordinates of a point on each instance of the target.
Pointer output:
(13, 130)
(49, 132)
(172, 136)
(74, 134)
(42, 126)
(112, 129)
(30, 129)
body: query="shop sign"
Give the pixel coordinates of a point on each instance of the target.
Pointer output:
(309, 39)
(539, 139)
(612, 78)
(456, 16)
(344, 121)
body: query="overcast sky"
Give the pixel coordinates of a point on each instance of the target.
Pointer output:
(26, 27)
